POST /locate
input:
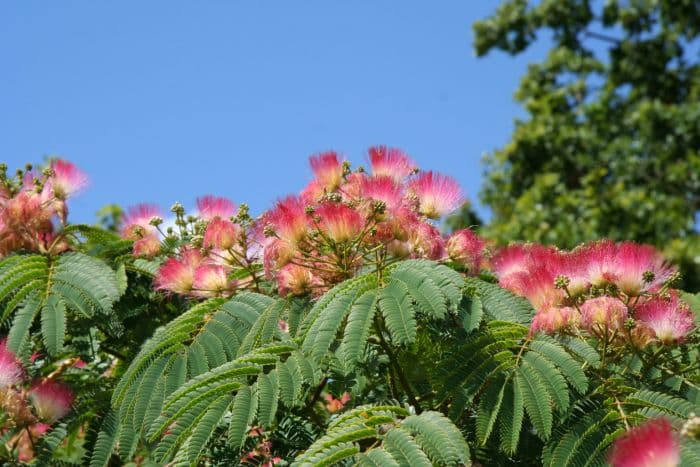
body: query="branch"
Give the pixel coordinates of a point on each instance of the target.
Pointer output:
(405, 384)
(602, 37)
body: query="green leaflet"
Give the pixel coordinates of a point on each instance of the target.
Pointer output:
(357, 329)
(73, 282)
(537, 402)
(398, 312)
(426, 439)
(502, 304)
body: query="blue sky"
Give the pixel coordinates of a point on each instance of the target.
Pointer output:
(162, 101)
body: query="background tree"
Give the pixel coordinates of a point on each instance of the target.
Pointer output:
(610, 146)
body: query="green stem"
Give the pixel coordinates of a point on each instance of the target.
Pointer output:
(405, 384)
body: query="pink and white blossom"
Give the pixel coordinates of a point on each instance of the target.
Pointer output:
(328, 169)
(11, 371)
(383, 189)
(603, 315)
(66, 179)
(554, 320)
(51, 400)
(390, 162)
(211, 207)
(221, 234)
(288, 219)
(210, 281)
(669, 318)
(437, 194)
(177, 274)
(148, 246)
(137, 221)
(296, 280)
(425, 241)
(467, 249)
(338, 222)
(651, 444)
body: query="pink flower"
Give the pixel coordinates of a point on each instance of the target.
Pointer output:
(641, 335)
(601, 262)
(51, 400)
(351, 189)
(399, 249)
(339, 222)
(603, 315)
(554, 320)
(399, 225)
(632, 267)
(671, 320)
(256, 431)
(531, 271)
(276, 254)
(66, 179)
(11, 371)
(327, 169)
(313, 192)
(211, 207)
(147, 246)
(296, 280)
(574, 266)
(425, 241)
(210, 281)
(38, 429)
(437, 194)
(136, 222)
(633, 262)
(79, 363)
(177, 275)
(334, 405)
(652, 444)
(467, 249)
(382, 189)
(537, 285)
(26, 222)
(390, 162)
(221, 233)
(289, 220)
(509, 261)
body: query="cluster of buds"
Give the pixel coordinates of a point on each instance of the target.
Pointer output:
(32, 203)
(343, 220)
(261, 454)
(29, 409)
(621, 293)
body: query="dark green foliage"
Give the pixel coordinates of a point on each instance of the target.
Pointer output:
(418, 337)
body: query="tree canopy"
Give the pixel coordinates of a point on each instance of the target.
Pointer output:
(610, 145)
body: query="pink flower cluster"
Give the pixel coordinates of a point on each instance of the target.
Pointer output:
(341, 221)
(221, 246)
(31, 202)
(35, 407)
(614, 291)
(261, 455)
